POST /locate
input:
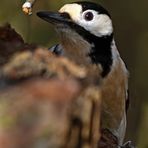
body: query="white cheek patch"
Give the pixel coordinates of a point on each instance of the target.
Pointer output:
(74, 10)
(99, 26)
(104, 24)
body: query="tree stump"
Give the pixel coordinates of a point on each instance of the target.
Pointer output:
(47, 101)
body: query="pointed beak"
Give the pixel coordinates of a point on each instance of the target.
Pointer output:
(64, 20)
(54, 17)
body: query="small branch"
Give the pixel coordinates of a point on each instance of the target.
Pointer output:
(27, 6)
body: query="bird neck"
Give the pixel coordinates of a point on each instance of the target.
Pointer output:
(84, 48)
(101, 52)
(101, 48)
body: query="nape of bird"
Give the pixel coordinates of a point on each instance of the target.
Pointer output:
(86, 34)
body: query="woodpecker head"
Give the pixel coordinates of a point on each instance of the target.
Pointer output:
(86, 32)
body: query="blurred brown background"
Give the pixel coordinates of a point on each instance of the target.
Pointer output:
(130, 19)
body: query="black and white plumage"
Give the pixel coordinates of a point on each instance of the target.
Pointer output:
(86, 35)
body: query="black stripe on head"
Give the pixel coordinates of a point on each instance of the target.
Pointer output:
(93, 6)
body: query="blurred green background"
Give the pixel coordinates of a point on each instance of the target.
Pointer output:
(130, 19)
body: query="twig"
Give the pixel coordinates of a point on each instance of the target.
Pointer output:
(27, 7)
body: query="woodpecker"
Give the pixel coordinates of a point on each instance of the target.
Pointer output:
(86, 34)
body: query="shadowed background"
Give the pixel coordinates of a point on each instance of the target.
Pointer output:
(131, 34)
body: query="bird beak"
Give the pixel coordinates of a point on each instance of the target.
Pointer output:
(54, 17)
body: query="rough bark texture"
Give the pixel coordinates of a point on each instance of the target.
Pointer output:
(47, 101)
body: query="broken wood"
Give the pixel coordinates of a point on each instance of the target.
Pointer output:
(47, 101)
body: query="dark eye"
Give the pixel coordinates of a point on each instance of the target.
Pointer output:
(88, 16)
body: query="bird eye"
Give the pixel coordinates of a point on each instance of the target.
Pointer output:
(88, 16)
